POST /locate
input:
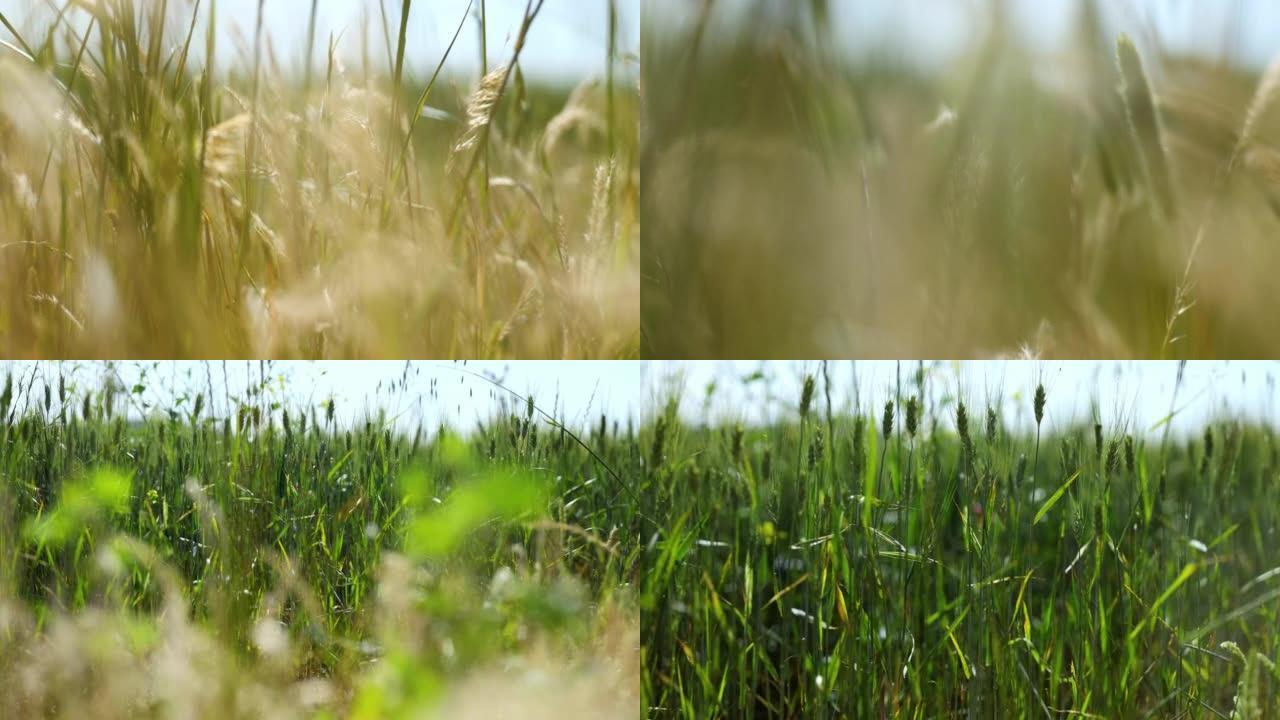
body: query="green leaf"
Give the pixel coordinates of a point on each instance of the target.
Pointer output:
(503, 495)
(337, 467)
(1183, 576)
(1054, 498)
(103, 492)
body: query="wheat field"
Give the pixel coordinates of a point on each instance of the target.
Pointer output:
(916, 548)
(182, 545)
(158, 199)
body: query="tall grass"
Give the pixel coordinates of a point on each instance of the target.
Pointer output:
(918, 563)
(160, 200)
(222, 554)
(808, 197)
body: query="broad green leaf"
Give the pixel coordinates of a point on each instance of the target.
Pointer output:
(502, 495)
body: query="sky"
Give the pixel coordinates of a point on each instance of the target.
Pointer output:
(1131, 397)
(412, 394)
(568, 43)
(933, 33)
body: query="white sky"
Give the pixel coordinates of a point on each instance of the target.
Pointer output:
(932, 33)
(569, 41)
(575, 392)
(1129, 396)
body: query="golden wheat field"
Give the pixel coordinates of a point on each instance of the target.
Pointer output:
(160, 199)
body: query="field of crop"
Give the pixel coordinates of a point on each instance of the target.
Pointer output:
(808, 195)
(158, 199)
(932, 558)
(236, 555)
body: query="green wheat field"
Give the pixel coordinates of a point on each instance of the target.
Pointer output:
(219, 554)
(160, 200)
(931, 558)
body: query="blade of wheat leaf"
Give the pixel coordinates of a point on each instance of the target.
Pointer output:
(1054, 498)
(1183, 577)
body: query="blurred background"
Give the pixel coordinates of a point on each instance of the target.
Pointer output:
(930, 34)
(924, 178)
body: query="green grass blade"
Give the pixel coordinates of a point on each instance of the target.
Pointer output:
(1054, 498)
(1183, 577)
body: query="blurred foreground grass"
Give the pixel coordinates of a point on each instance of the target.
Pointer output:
(1113, 199)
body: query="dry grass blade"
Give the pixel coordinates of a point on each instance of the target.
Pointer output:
(1268, 88)
(1144, 124)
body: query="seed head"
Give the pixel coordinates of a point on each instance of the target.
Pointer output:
(815, 449)
(1039, 404)
(886, 427)
(913, 416)
(859, 445)
(806, 396)
(1208, 450)
(962, 427)
(991, 426)
(658, 450)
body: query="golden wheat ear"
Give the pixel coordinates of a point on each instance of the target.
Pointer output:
(1268, 89)
(1144, 124)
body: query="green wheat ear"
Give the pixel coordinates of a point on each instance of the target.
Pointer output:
(1144, 123)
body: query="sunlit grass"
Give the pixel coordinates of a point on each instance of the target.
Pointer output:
(159, 200)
